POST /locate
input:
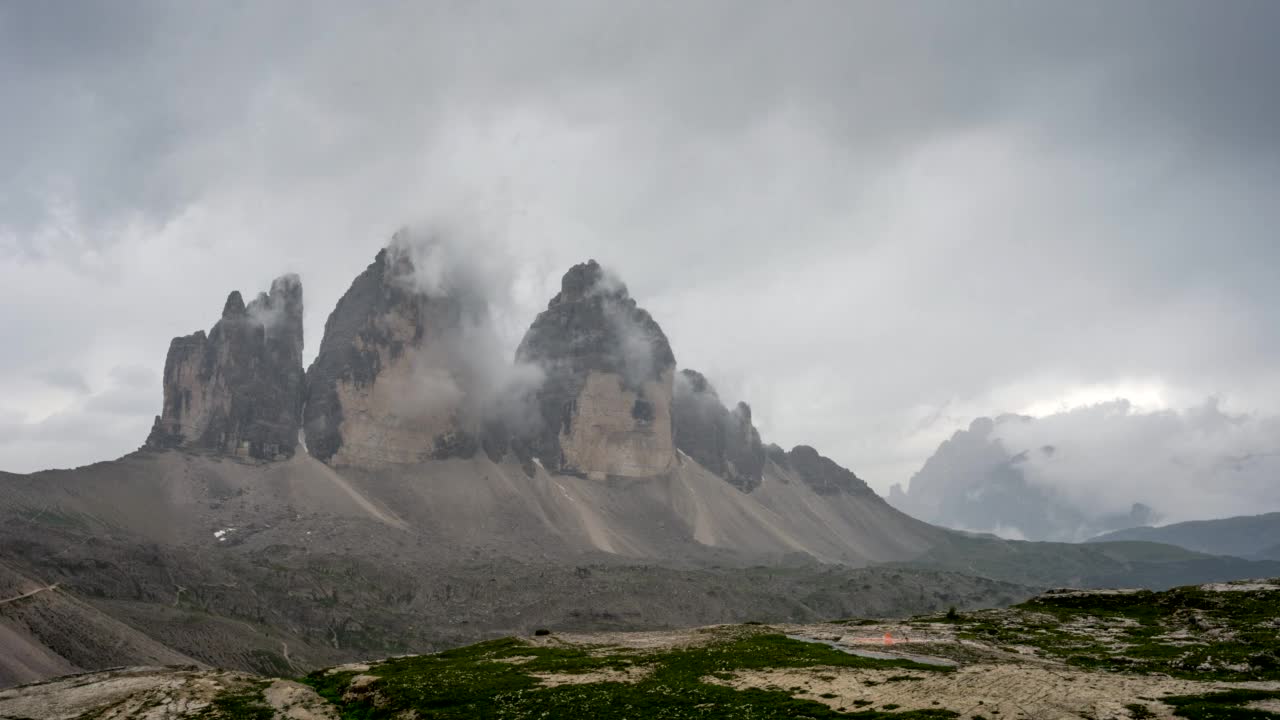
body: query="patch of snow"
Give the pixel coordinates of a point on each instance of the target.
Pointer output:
(221, 535)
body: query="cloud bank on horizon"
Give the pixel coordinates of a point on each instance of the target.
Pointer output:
(872, 222)
(1076, 474)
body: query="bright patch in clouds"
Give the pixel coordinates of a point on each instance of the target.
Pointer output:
(1141, 396)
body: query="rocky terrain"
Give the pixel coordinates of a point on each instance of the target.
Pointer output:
(46, 631)
(1199, 652)
(259, 566)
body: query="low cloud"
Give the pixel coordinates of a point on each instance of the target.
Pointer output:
(468, 363)
(1196, 463)
(67, 379)
(1081, 472)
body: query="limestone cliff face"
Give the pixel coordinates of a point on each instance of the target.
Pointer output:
(723, 441)
(387, 385)
(605, 402)
(238, 390)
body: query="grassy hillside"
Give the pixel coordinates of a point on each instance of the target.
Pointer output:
(1221, 632)
(1249, 536)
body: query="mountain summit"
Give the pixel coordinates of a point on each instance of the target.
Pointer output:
(605, 405)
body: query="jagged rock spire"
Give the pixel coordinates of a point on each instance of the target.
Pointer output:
(238, 389)
(722, 440)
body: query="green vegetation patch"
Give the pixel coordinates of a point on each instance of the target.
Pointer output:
(1226, 705)
(1185, 632)
(1138, 711)
(496, 680)
(244, 705)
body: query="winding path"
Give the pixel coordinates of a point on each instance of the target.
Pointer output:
(25, 595)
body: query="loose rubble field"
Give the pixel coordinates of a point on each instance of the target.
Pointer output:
(1201, 652)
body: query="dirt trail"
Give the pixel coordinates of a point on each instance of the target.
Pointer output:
(25, 595)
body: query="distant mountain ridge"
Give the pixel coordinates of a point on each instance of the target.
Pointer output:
(1255, 537)
(974, 482)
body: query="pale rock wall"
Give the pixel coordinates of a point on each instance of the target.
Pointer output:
(604, 406)
(411, 403)
(605, 437)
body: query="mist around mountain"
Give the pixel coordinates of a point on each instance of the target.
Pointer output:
(416, 489)
(977, 482)
(1075, 474)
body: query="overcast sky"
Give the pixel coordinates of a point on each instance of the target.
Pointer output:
(871, 221)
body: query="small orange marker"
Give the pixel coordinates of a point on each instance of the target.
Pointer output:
(888, 639)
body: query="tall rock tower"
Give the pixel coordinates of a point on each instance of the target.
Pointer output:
(238, 390)
(394, 382)
(605, 403)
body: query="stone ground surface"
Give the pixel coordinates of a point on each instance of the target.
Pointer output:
(1007, 691)
(156, 693)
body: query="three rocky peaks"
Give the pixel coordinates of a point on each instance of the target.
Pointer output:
(405, 375)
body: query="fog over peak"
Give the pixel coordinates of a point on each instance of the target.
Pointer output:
(1092, 469)
(872, 222)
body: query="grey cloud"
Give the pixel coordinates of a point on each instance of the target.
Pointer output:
(471, 367)
(853, 215)
(67, 380)
(1075, 474)
(122, 401)
(1186, 464)
(134, 376)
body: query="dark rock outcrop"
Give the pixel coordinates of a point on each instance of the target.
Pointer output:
(723, 441)
(238, 390)
(605, 404)
(825, 475)
(391, 383)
